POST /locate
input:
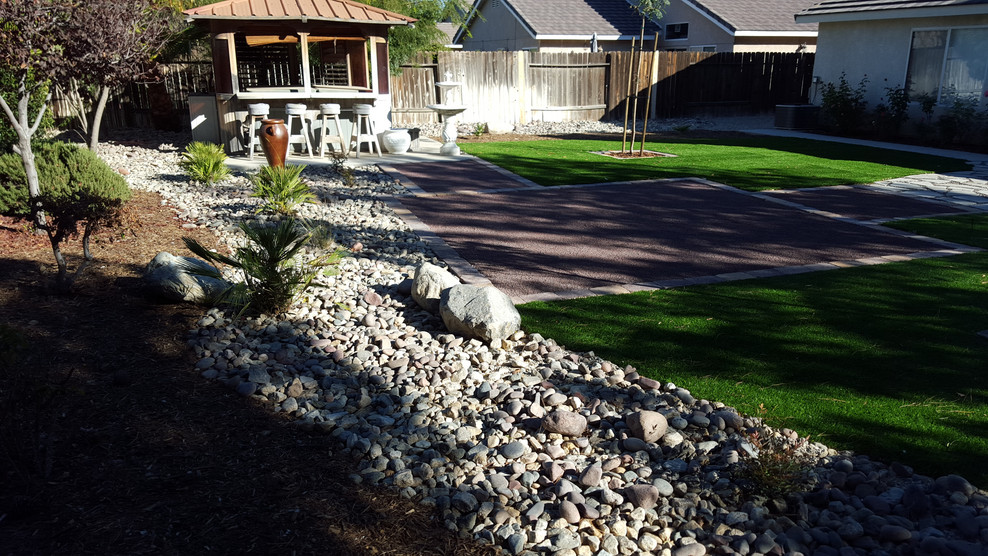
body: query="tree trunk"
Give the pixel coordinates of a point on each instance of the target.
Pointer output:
(62, 283)
(104, 95)
(25, 131)
(85, 241)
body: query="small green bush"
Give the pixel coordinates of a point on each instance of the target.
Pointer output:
(205, 162)
(892, 111)
(273, 279)
(843, 107)
(67, 174)
(281, 188)
(959, 121)
(76, 187)
(13, 182)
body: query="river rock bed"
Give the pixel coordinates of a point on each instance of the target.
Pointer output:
(522, 443)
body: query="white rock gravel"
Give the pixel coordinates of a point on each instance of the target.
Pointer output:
(737, 123)
(520, 442)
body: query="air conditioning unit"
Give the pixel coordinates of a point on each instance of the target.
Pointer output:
(797, 116)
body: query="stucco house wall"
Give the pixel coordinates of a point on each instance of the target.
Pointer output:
(876, 49)
(702, 31)
(499, 30)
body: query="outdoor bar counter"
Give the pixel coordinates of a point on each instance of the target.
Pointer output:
(232, 109)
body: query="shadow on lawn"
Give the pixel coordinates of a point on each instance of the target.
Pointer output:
(867, 351)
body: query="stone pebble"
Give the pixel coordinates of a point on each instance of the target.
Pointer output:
(460, 425)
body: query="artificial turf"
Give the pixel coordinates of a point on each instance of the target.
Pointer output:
(885, 360)
(750, 163)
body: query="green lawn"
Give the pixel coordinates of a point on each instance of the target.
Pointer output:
(751, 163)
(884, 360)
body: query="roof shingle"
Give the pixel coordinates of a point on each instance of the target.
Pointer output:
(757, 15)
(849, 6)
(327, 10)
(580, 17)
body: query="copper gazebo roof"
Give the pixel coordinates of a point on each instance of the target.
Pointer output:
(346, 11)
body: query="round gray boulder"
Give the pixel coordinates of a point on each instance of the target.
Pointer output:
(483, 313)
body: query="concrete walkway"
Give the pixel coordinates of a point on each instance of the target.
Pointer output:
(965, 189)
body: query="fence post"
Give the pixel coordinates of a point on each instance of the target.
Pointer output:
(521, 59)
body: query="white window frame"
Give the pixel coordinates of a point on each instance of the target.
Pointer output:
(702, 48)
(943, 63)
(665, 31)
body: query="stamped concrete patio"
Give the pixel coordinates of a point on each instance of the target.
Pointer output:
(563, 242)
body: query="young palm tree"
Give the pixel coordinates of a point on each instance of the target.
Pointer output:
(273, 279)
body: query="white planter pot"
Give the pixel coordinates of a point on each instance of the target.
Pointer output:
(396, 141)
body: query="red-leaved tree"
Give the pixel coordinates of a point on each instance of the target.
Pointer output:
(130, 35)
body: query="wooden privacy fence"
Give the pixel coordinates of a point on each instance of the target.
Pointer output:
(520, 87)
(160, 104)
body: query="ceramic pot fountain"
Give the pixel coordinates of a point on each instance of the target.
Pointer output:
(274, 141)
(396, 141)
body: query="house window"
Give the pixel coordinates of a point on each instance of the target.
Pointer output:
(949, 63)
(703, 48)
(677, 31)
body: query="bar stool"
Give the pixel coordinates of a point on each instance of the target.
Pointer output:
(297, 111)
(256, 113)
(326, 111)
(362, 115)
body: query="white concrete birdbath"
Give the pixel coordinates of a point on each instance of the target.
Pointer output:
(448, 111)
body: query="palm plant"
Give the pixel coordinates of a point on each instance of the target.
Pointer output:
(282, 189)
(273, 279)
(205, 162)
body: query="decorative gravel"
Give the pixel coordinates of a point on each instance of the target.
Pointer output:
(523, 443)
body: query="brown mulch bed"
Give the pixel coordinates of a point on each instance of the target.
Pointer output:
(110, 442)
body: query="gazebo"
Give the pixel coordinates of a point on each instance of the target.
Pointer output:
(293, 51)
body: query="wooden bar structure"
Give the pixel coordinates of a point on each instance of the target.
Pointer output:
(296, 51)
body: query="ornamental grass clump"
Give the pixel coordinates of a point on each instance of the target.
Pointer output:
(205, 163)
(282, 189)
(775, 466)
(273, 276)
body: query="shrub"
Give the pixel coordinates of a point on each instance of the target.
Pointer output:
(843, 108)
(205, 162)
(13, 182)
(273, 279)
(959, 119)
(76, 186)
(891, 112)
(281, 188)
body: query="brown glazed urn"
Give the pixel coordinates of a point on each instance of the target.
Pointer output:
(274, 141)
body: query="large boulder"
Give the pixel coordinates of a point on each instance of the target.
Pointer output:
(483, 313)
(430, 281)
(167, 277)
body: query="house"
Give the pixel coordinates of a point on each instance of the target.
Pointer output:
(930, 47)
(737, 26)
(703, 25)
(552, 25)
